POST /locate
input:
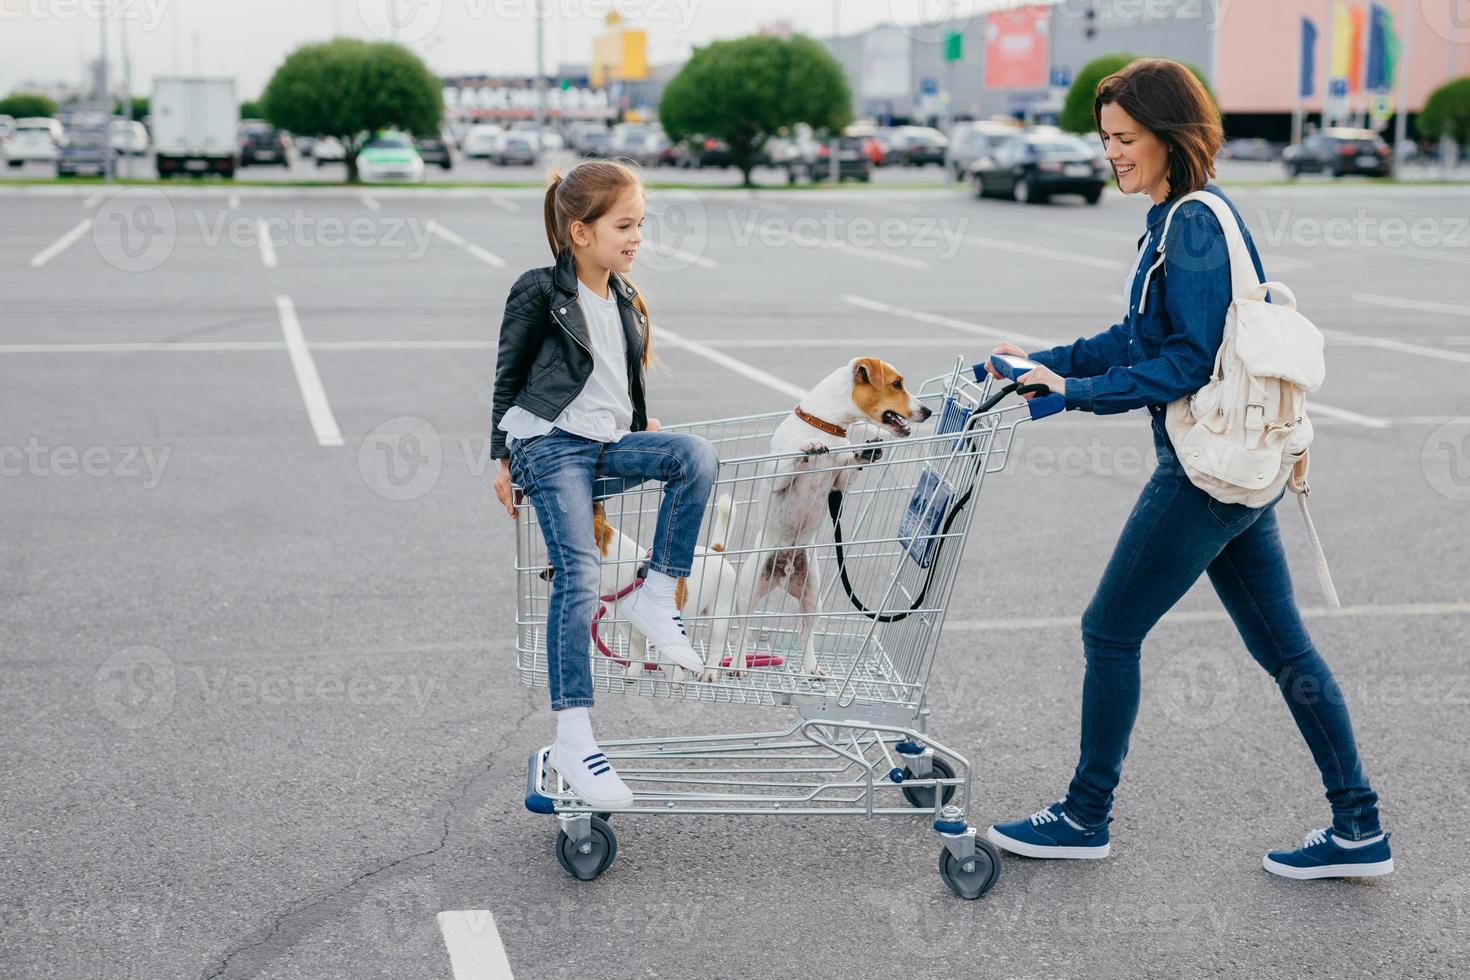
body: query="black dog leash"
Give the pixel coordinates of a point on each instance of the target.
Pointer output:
(834, 509)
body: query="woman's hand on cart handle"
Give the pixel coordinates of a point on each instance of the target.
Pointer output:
(503, 490)
(1005, 347)
(654, 425)
(1043, 376)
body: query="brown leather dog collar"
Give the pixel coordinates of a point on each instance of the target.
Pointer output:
(816, 423)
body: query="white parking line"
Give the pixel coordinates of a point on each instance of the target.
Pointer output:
(1365, 611)
(369, 201)
(1367, 421)
(91, 200)
(878, 255)
(750, 371)
(1061, 255)
(669, 252)
(979, 330)
(144, 347)
(267, 250)
(312, 393)
(234, 202)
(61, 244)
(1399, 303)
(505, 204)
(1285, 262)
(488, 257)
(475, 949)
(1119, 238)
(1384, 343)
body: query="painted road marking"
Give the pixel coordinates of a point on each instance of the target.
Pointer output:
(61, 244)
(475, 949)
(317, 408)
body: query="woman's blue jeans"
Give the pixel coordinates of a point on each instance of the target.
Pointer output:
(561, 475)
(1177, 531)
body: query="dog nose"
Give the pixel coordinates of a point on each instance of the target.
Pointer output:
(924, 412)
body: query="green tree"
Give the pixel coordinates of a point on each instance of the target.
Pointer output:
(251, 109)
(140, 107)
(351, 89)
(1076, 115)
(1447, 112)
(21, 104)
(745, 91)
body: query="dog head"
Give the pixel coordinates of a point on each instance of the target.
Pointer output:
(878, 392)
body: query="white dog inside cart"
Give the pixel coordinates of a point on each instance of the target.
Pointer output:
(864, 389)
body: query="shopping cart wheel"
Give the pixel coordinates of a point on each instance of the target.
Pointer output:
(974, 877)
(591, 857)
(923, 796)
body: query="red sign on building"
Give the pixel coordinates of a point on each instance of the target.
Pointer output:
(1017, 47)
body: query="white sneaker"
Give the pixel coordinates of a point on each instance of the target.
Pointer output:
(593, 780)
(663, 627)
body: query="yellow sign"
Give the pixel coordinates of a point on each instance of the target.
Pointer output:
(619, 56)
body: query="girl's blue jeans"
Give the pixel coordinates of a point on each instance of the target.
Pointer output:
(1177, 531)
(561, 475)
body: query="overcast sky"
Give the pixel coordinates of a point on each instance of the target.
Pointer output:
(46, 40)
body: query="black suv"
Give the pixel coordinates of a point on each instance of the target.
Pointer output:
(260, 143)
(1338, 152)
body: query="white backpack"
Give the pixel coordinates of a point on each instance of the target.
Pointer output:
(1246, 433)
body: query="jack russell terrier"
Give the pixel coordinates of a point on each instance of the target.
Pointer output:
(708, 589)
(865, 388)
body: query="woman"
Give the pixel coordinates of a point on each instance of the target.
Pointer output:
(1161, 131)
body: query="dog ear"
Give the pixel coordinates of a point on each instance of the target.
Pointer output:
(864, 370)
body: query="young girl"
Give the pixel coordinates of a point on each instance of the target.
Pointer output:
(568, 411)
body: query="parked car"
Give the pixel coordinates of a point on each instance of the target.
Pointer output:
(628, 138)
(519, 148)
(814, 161)
(1034, 166)
(305, 146)
(968, 141)
(1250, 149)
(328, 149)
(129, 138)
(434, 151)
(594, 141)
(36, 139)
(7, 126)
(656, 150)
(262, 143)
(549, 139)
(389, 157)
(87, 146)
(698, 152)
(482, 141)
(917, 146)
(1340, 151)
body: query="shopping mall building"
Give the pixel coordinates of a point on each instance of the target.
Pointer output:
(1018, 61)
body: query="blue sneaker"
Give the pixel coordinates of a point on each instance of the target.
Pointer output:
(1050, 833)
(1320, 856)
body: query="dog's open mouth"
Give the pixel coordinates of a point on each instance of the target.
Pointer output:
(897, 424)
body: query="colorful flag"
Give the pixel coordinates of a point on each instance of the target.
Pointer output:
(1308, 59)
(1383, 50)
(1357, 18)
(1342, 44)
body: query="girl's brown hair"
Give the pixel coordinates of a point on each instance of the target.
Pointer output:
(585, 193)
(1170, 102)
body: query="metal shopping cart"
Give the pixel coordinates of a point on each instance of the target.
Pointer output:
(887, 560)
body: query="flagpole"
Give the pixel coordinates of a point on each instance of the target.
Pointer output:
(1401, 66)
(1328, 101)
(1296, 117)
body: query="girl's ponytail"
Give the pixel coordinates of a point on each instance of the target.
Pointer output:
(553, 237)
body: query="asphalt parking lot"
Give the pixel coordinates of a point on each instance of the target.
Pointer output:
(261, 711)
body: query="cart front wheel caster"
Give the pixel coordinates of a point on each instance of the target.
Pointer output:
(973, 877)
(586, 859)
(923, 796)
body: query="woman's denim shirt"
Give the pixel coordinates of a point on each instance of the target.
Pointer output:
(1167, 351)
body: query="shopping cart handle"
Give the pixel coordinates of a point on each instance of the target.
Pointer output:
(1013, 367)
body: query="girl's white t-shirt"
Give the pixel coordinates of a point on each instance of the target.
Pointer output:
(603, 409)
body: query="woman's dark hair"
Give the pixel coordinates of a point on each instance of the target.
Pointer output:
(1169, 101)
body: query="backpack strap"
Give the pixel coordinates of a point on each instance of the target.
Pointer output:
(1243, 278)
(1297, 482)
